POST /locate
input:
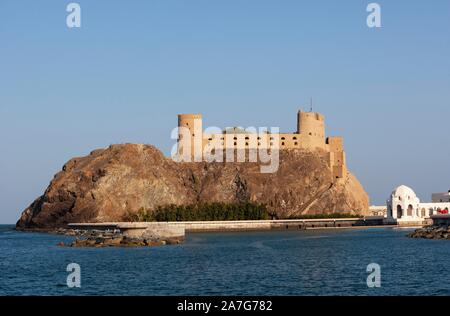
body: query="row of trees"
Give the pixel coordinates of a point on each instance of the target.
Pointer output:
(203, 212)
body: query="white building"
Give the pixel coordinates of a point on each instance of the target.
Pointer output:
(405, 206)
(378, 210)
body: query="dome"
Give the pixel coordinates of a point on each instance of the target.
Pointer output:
(404, 191)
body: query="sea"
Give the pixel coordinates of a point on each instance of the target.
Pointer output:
(362, 262)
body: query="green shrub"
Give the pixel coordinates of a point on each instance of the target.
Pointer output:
(216, 212)
(202, 212)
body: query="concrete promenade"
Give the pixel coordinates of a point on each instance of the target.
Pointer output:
(178, 229)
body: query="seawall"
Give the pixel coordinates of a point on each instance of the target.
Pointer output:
(164, 230)
(302, 224)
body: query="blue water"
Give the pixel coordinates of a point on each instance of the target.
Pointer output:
(251, 263)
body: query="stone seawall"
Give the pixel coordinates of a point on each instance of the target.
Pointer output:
(280, 224)
(127, 234)
(176, 229)
(154, 233)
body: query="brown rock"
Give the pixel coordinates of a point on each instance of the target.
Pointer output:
(110, 183)
(113, 241)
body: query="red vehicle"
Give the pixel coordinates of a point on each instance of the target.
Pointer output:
(443, 212)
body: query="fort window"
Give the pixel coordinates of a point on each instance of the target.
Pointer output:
(246, 144)
(310, 134)
(296, 144)
(294, 138)
(282, 144)
(235, 144)
(235, 138)
(283, 138)
(259, 144)
(247, 138)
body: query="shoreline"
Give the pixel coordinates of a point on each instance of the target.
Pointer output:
(226, 226)
(142, 234)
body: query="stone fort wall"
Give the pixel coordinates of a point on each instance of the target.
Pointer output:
(310, 135)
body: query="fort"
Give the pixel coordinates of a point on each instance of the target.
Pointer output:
(196, 144)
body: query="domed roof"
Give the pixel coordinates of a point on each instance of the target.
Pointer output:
(404, 190)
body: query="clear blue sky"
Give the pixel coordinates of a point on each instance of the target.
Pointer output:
(134, 65)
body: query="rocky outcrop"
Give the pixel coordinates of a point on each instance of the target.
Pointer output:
(432, 232)
(111, 183)
(106, 238)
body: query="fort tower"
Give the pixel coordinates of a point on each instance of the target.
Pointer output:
(311, 126)
(190, 125)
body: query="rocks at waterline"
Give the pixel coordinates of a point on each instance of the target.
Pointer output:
(113, 238)
(123, 242)
(432, 232)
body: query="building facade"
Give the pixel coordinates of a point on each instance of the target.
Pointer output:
(404, 205)
(310, 135)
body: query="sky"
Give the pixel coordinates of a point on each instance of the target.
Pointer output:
(132, 66)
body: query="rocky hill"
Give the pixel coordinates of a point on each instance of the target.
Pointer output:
(110, 183)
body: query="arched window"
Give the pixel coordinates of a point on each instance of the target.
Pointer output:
(410, 210)
(424, 212)
(399, 211)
